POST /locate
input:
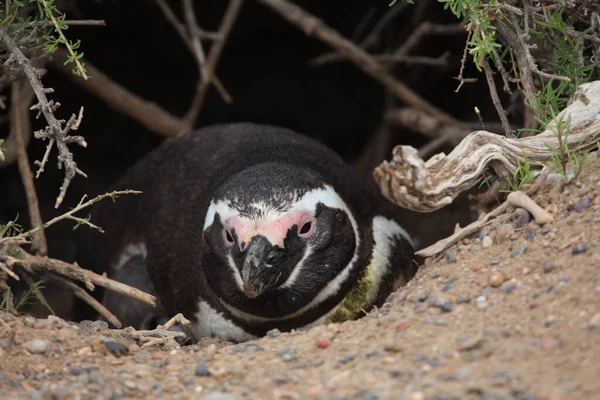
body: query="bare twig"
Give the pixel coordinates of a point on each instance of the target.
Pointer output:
(192, 38)
(36, 265)
(154, 337)
(19, 125)
(148, 114)
(489, 75)
(54, 131)
(76, 22)
(214, 55)
(313, 26)
(86, 297)
(68, 214)
(10, 146)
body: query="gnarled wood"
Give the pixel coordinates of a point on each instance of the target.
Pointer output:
(426, 186)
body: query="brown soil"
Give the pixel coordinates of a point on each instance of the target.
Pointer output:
(517, 319)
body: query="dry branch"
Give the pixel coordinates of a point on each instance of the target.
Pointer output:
(314, 26)
(55, 132)
(159, 336)
(20, 130)
(422, 186)
(212, 60)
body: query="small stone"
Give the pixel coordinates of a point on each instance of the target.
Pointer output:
(487, 242)
(99, 325)
(510, 286)
(583, 203)
(116, 348)
(478, 267)
(422, 296)
(274, 333)
(496, 279)
(218, 396)
(37, 346)
(402, 326)
(449, 257)
(481, 299)
(447, 286)
(464, 299)
(517, 250)
(322, 343)
(202, 370)
(503, 232)
(579, 249)
(442, 303)
(521, 217)
(548, 267)
(78, 371)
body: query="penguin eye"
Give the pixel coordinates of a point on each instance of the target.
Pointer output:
(228, 237)
(305, 228)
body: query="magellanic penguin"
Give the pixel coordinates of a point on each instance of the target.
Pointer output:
(244, 228)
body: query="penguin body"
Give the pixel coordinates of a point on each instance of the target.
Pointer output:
(244, 228)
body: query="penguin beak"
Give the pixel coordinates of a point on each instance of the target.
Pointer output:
(256, 268)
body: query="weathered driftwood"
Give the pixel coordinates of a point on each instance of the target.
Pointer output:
(412, 183)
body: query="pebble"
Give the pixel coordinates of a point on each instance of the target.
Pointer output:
(401, 327)
(37, 346)
(517, 250)
(582, 204)
(447, 286)
(548, 267)
(510, 286)
(274, 333)
(322, 343)
(487, 242)
(218, 396)
(202, 370)
(503, 232)
(521, 218)
(496, 279)
(579, 249)
(464, 299)
(99, 325)
(422, 296)
(116, 348)
(443, 303)
(449, 257)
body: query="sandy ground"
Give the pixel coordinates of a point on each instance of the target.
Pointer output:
(515, 315)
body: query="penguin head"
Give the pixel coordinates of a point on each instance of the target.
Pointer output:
(276, 228)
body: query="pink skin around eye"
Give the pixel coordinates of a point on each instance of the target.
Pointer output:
(274, 230)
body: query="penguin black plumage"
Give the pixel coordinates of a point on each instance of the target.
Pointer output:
(245, 228)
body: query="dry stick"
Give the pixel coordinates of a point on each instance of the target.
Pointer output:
(520, 199)
(75, 22)
(191, 37)
(19, 125)
(54, 131)
(148, 114)
(489, 75)
(313, 26)
(216, 49)
(425, 29)
(85, 296)
(520, 53)
(9, 147)
(42, 265)
(369, 41)
(198, 51)
(69, 213)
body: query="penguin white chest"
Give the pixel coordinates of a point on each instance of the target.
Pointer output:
(211, 322)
